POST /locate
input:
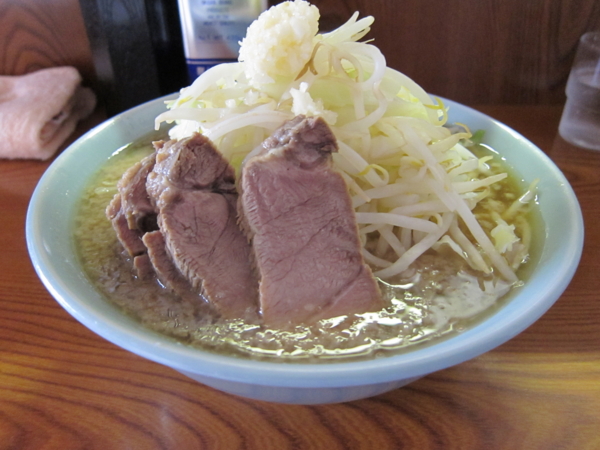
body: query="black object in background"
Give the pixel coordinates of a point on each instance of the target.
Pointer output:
(137, 49)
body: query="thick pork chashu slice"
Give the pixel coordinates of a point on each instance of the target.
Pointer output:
(130, 239)
(135, 201)
(192, 188)
(163, 267)
(132, 214)
(296, 209)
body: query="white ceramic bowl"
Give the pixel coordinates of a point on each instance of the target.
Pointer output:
(50, 243)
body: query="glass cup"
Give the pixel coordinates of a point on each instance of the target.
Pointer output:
(580, 122)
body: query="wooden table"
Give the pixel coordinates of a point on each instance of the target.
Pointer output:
(62, 387)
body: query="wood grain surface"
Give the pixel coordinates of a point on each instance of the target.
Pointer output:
(62, 387)
(472, 51)
(36, 34)
(477, 51)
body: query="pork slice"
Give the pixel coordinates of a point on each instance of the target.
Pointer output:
(166, 271)
(132, 214)
(299, 215)
(190, 163)
(208, 248)
(135, 201)
(143, 266)
(131, 240)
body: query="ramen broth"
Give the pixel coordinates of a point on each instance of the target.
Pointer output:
(438, 297)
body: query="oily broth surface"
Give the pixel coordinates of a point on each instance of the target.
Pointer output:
(442, 297)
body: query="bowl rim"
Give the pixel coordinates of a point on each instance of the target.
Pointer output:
(491, 332)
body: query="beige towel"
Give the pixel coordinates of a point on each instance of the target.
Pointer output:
(39, 111)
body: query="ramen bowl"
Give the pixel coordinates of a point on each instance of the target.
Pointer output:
(52, 249)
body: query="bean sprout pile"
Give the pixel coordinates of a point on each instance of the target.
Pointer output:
(413, 182)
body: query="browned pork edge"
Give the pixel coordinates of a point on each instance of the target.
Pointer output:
(297, 211)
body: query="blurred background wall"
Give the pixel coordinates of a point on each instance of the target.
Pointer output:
(472, 51)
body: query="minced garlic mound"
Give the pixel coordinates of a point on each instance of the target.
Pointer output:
(280, 41)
